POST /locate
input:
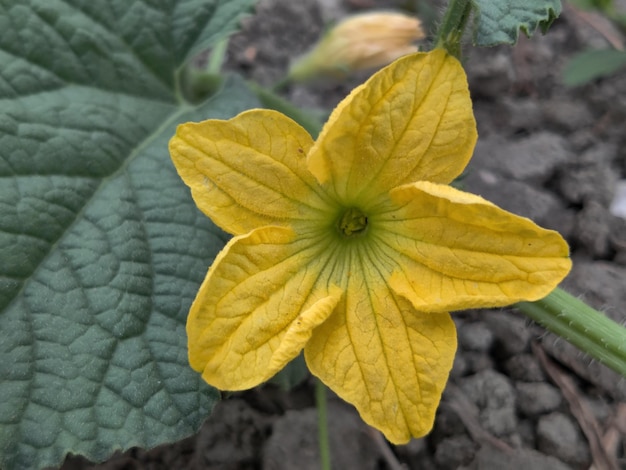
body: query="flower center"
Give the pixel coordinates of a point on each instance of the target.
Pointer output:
(352, 222)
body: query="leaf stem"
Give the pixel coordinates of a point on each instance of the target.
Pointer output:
(216, 58)
(583, 326)
(281, 84)
(452, 26)
(322, 424)
(178, 87)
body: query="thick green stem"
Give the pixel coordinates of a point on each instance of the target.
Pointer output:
(322, 425)
(584, 327)
(452, 26)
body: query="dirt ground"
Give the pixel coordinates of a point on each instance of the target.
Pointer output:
(547, 152)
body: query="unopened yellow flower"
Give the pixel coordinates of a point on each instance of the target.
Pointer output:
(360, 42)
(354, 247)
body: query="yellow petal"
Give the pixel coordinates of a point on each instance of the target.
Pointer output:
(456, 250)
(257, 307)
(248, 171)
(411, 121)
(390, 361)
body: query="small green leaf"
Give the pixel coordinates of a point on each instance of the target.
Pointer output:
(499, 21)
(589, 65)
(101, 247)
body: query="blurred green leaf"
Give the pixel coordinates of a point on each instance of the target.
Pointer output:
(589, 65)
(101, 247)
(499, 21)
(602, 5)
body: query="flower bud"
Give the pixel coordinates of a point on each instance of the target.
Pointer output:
(359, 42)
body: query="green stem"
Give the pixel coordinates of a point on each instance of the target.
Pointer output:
(452, 26)
(584, 327)
(281, 84)
(178, 87)
(322, 424)
(216, 59)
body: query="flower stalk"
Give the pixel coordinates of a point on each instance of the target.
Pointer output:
(452, 26)
(322, 424)
(583, 326)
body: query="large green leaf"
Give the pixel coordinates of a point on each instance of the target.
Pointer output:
(499, 21)
(101, 247)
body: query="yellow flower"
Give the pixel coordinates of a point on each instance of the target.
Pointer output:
(360, 42)
(354, 247)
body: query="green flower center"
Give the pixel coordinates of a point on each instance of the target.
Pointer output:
(352, 222)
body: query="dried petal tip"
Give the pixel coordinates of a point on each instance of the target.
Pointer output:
(360, 42)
